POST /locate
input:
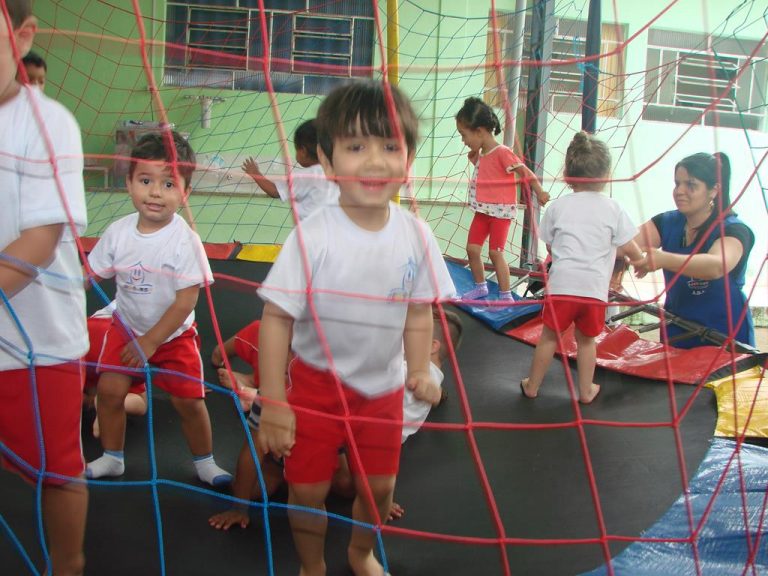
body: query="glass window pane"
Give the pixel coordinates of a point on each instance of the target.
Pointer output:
(324, 25)
(343, 7)
(323, 44)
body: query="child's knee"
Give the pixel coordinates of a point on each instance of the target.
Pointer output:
(312, 495)
(192, 407)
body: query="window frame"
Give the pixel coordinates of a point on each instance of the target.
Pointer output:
(293, 65)
(610, 86)
(721, 96)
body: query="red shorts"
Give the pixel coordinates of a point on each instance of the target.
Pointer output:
(315, 455)
(587, 313)
(97, 330)
(484, 226)
(176, 365)
(247, 347)
(59, 396)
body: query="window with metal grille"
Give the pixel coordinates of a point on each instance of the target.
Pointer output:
(702, 79)
(566, 78)
(306, 46)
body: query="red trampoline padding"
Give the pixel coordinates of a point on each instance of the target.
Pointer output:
(220, 251)
(88, 243)
(622, 350)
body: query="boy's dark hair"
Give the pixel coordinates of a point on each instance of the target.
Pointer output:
(455, 327)
(161, 146)
(306, 137)
(18, 10)
(34, 59)
(363, 105)
(477, 114)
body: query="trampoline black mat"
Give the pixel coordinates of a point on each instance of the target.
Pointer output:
(537, 478)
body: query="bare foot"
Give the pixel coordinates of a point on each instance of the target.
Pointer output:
(366, 565)
(232, 517)
(589, 398)
(526, 391)
(242, 380)
(245, 388)
(395, 512)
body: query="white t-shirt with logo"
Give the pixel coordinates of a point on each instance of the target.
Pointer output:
(311, 189)
(583, 230)
(50, 309)
(361, 282)
(150, 268)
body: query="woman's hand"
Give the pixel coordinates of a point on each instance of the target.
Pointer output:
(651, 261)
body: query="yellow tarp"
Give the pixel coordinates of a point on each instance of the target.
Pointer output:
(742, 404)
(258, 252)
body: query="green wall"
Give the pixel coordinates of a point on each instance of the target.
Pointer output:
(95, 68)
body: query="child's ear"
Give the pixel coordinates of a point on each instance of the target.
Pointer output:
(325, 163)
(25, 35)
(436, 345)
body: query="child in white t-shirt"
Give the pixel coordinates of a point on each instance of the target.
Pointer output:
(42, 312)
(582, 231)
(246, 485)
(350, 296)
(306, 186)
(159, 264)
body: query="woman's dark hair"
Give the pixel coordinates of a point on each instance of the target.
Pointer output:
(305, 137)
(711, 169)
(477, 114)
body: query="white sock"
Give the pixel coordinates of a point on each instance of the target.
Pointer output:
(111, 463)
(210, 473)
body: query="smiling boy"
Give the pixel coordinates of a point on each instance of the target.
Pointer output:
(350, 295)
(159, 264)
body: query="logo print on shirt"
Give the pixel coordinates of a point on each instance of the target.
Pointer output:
(403, 291)
(697, 287)
(137, 280)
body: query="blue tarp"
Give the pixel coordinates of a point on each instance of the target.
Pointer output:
(737, 521)
(494, 315)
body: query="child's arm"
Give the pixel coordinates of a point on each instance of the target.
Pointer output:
(277, 426)
(528, 176)
(417, 339)
(721, 258)
(169, 322)
(89, 280)
(34, 248)
(632, 251)
(251, 168)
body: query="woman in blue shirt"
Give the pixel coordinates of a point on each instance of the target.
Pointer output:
(703, 249)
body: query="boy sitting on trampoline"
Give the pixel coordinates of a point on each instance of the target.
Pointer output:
(373, 271)
(246, 485)
(159, 264)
